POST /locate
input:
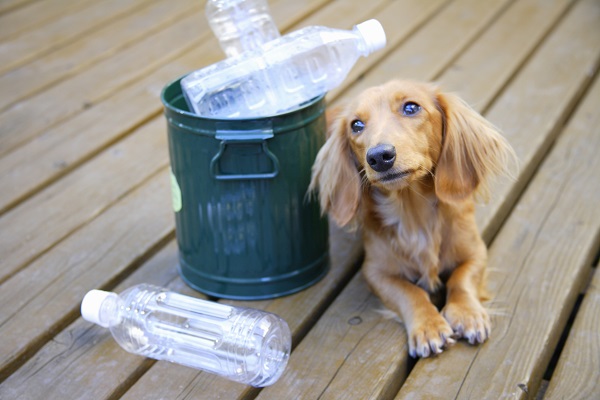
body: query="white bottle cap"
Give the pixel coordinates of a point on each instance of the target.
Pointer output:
(92, 304)
(373, 34)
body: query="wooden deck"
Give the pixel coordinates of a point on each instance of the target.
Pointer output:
(86, 199)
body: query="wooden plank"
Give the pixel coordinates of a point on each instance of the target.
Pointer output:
(34, 14)
(344, 14)
(121, 33)
(287, 14)
(577, 374)
(68, 98)
(40, 301)
(12, 5)
(539, 262)
(43, 39)
(391, 363)
(66, 146)
(39, 223)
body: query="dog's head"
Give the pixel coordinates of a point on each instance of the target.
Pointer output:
(395, 135)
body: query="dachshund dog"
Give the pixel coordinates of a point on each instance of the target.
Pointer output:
(405, 162)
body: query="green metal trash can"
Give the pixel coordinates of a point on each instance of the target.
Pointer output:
(245, 227)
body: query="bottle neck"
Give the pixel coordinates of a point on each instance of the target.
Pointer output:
(363, 47)
(372, 34)
(109, 313)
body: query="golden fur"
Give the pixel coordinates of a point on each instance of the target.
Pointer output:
(415, 203)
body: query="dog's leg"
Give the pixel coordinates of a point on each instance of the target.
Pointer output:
(428, 332)
(463, 309)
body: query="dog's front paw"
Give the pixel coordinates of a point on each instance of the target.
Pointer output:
(430, 336)
(468, 320)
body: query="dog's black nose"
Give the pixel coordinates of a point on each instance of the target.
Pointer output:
(381, 157)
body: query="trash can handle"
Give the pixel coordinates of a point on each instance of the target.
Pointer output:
(228, 137)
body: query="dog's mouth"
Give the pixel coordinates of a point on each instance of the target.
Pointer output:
(394, 176)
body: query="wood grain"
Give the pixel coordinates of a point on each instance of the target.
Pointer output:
(68, 98)
(32, 15)
(351, 319)
(12, 5)
(577, 375)
(100, 44)
(44, 38)
(80, 197)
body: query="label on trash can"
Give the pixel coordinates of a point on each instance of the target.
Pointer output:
(175, 193)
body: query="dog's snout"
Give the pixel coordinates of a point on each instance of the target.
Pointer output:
(381, 157)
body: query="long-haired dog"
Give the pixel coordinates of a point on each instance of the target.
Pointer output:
(404, 162)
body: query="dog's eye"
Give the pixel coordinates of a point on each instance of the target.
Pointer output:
(410, 108)
(357, 126)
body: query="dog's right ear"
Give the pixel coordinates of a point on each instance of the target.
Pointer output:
(473, 150)
(334, 174)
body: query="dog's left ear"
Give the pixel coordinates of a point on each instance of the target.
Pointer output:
(334, 174)
(472, 150)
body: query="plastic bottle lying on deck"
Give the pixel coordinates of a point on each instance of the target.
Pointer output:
(285, 73)
(242, 344)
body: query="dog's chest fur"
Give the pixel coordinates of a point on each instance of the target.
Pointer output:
(412, 221)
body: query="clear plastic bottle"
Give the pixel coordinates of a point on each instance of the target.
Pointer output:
(242, 344)
(241, 25)
(287, 72)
